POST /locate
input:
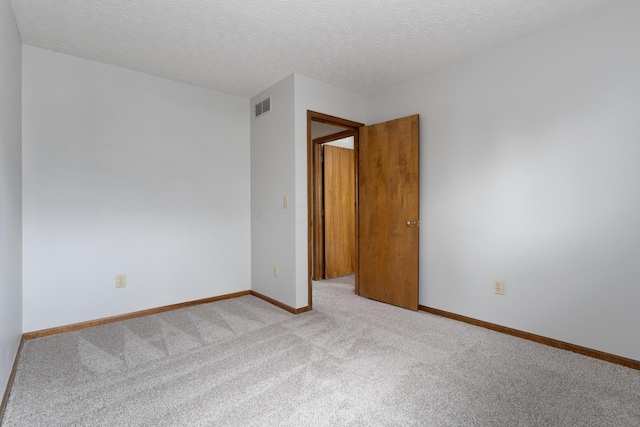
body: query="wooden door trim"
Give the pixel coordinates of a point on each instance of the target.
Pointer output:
(356, 159)
(317, 272)
(318, 246)
(350, 126)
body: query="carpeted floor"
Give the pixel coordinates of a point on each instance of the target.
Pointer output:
(349, 362)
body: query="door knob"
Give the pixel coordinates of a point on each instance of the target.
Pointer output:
(412, 223)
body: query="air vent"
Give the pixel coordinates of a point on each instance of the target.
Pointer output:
(263, 107)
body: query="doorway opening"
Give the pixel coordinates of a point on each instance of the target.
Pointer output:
(387, 200)
(334, 230)
(323, 129)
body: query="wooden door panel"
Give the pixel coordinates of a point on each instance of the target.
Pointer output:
(339, 211)
(317, 270)
(388, 198)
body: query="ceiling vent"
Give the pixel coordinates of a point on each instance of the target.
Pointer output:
(263, 107)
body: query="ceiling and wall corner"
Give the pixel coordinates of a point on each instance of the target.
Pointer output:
(10, 192)
(240, 49)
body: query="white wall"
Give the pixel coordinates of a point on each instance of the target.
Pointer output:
(278, 169)
(128, 173)
(272, 178)
(343, 143)
(10, 192)
(530, 172)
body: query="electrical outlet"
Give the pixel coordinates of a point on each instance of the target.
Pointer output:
(275, 270)
(121, 280)
(285, 202)
(498, 287)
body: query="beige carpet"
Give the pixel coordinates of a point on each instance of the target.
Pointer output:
(349, 362)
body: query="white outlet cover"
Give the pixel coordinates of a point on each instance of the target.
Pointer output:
(498, 287)
(121, 280)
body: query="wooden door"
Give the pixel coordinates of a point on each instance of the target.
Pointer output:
(339, 211)
(316, 229)
(388, 212)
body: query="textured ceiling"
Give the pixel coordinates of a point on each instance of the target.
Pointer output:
(244, 46)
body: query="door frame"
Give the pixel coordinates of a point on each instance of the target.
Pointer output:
(319, 230)
(314, 186)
